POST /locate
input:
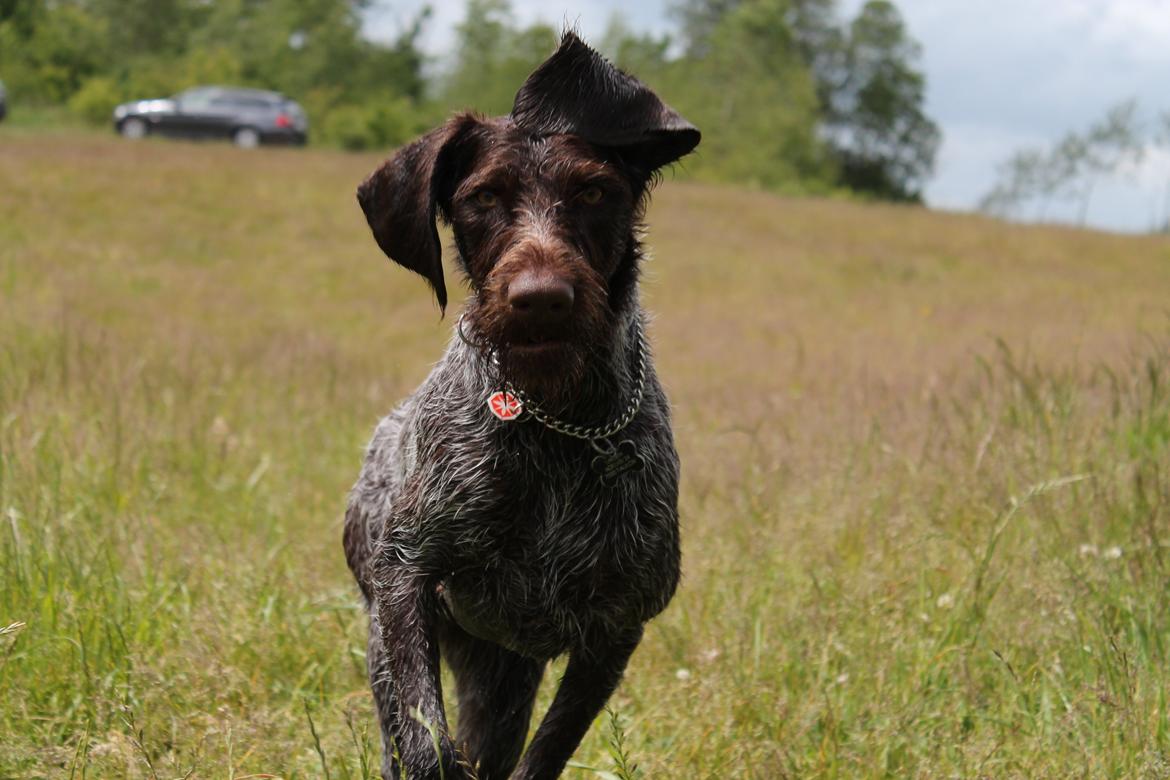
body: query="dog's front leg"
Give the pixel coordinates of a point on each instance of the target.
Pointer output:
(591, 676)
(408, 611)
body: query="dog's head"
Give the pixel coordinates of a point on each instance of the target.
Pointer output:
(544, 204)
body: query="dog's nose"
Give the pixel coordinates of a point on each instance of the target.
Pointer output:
(542, 299)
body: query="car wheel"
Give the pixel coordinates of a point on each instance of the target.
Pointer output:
(133, 128)
(246, 138)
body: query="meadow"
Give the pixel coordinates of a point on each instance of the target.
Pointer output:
(926, 489)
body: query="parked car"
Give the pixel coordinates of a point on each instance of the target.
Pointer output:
(3, 101)
(249, 117)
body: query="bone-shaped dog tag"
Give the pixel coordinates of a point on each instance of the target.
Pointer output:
(612, 462)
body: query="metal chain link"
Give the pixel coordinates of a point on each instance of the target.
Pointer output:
(585, 433)
(597, 432)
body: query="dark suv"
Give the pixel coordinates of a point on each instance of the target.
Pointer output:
(248, 117)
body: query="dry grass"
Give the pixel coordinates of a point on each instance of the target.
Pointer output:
(926, 479)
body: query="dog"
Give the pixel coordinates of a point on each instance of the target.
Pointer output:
(522, 504)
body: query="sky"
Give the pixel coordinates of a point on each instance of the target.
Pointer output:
(1001, 75)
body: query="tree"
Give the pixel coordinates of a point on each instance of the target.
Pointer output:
(810, 25)
(1109, 143)
(642, 54)
(1023, 176)
(494, 57)
(1071, 168)
(18, 16)
(745, 84)
(883, 140)
(698, 20)
(137, 27)
(870, 94)
(822, 44)
(48, 51)
(1162, 139)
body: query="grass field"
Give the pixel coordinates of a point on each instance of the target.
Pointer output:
(926, 492)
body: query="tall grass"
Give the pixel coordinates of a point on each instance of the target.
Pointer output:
(926, 481)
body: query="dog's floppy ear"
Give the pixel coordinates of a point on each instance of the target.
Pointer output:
(577, 91)
(403, 198)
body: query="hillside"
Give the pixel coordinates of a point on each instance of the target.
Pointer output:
(926, 484)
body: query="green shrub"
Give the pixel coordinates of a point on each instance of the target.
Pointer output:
(94, 102)
(386, 123)
(347, 127)
(396, 121)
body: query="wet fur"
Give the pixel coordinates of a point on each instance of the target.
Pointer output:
(493, 544)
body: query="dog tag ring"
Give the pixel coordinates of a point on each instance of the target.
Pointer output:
(505, 406)
(612, 462)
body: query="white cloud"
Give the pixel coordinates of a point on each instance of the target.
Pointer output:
(1140, 27)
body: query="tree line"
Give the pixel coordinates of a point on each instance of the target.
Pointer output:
(790, 95)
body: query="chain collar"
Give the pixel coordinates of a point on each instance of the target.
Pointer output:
(597, 435)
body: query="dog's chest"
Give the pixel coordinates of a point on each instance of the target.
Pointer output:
(551, 554)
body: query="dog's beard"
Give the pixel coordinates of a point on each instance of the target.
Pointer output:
(551, 375)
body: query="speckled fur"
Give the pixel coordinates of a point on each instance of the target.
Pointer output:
(494, 545)
(505, 526)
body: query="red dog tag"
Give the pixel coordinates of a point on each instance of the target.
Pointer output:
(505, 406)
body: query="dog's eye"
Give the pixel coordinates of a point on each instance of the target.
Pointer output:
(591, 195)
(487, 198)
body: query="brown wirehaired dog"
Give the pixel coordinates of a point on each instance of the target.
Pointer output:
(522, 504)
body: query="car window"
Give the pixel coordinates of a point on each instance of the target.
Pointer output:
(196, 99)
(251, 102)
